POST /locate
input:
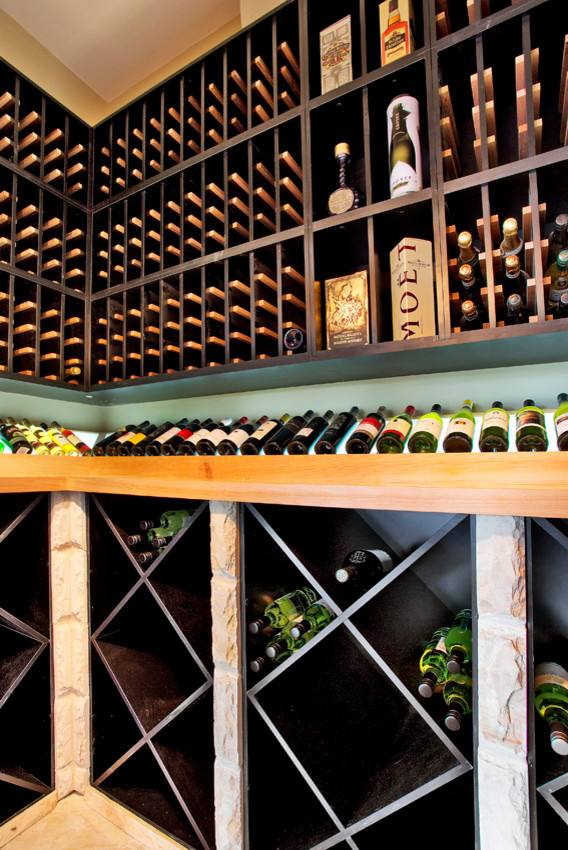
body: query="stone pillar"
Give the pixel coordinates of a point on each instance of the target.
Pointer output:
(227, 680)
(70, 619)
(503, 777)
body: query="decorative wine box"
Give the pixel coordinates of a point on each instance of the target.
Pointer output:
(412, 287)
(347, 310)
(335, 52)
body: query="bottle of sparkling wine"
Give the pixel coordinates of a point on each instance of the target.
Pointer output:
(188, 445)
(551, 700)
(306, 437)
(314, 619)
(433, 663)
(14, 437)
(459, 642)
(333, 435)
(277, 443)
(494, 436)
(284, 609)
(469, 286)
(364, 567)
(515, 313)
(233, 441)
(208, 445)
(459, 434)
(427, 432)
(157, 437)
(531, 430)
(561, 422)
(365, 435)
(170, 446)
(515, 280)
(258, 438)
(458, 698)
(345, 197)
(395, 433)
(472, 317)
(469, 255)
(511, 242)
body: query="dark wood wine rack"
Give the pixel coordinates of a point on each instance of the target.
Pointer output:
(25, 678)
(209, 233)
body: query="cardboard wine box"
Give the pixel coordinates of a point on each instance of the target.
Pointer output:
(412, 287)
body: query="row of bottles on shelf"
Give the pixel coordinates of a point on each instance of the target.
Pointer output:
(157, 533)
(25, 438)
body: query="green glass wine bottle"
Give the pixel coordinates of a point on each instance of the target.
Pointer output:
(433, 663)
(395, 433)
(364, 567)
(459, 642)
(427, 432)
(314, 619)
(458, 697)
(282, 645)
(561, 422)
(551, 700)
(459, 434)
(494, 435)
(531, 431)
(278, 613)
(169, 521)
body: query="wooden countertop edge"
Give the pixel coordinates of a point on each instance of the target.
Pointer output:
(524, 484)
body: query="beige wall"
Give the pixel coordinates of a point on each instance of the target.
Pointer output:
(253, 9)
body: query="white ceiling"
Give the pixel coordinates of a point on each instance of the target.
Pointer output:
(112, 44)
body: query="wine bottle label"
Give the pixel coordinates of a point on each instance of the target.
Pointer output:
(184, 434)
(398, 426)
(238, 437)
(341, 200)
(265, 429)
(369, 426)
(561, 424)
(461, 425)
(404, 146)
(203, 433)
(441, 645)
(530, 418)
(137, 438)
(430, 425)
(496, 417)
(167, 435)
(216, 436)
(305, 432)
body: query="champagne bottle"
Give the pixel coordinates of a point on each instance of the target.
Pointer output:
(125, 448)
(459, 642)
(157, 437)
(561, 422)
(551, 701)
(344, 198)
(79, 444)
(433, 663)
(395, 434)
(515, 280)
(100, 447)
(188, 446)
(314, 619)
(334, 433)
(306, 437)
(469, 255)
(472, 318)
(558, 281)
(459, 434)
(170, 446)
(258, 438)
(284, 609)
(13, 435)
(494, 436)
(427, 432)
(208, 445)
(511, 243)
(111, 448)
(557, 241)
(233, 441)
(469, 286)
(43, 438)
(515, 311)
(57, 437)
(531, 430)
(363, 438)
(277, 443)
(458, 698)
(364, 567)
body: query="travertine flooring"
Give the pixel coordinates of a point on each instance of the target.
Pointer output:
(74, 826)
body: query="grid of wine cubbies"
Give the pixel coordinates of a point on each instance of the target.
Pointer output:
(548, 545)
(151, 668)
(340, 721)
(25, 668)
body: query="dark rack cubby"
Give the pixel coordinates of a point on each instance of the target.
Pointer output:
(341, 719)
(151, 666)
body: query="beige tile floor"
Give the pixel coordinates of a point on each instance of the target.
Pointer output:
(72, 825)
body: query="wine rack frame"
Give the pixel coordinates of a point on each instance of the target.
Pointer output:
(183, 277)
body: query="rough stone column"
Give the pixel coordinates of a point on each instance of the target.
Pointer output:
(70, 642)
(503, 781)
(227, 682)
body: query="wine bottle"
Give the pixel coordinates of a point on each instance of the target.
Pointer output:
(459, 642)
(395, 434)
(43, 438)
(515, 310)
(149, 556)
(188, 446)
(168, 523)
(433, 663)
(208, 445)
(13, 435)
(469, 286)
(233, 441)
(364, 567)
(100, 447)
(558, 281)
(344, 198)
(258, 438)
(561, 422)
(363, 438)
(531, 431)
(5, 446)
(468, 255)
(515, 280)
(557, 241)
(562, 308)
(125, 448)
(459, 434)
(158, 436)
(511, 243)
(458, 698)
(111, 449)
(170, 446)
(277, 443)
(282, 610)
(32, 440)
(472, 318)
(427, 432)
(306, 437)
(494, 436)
(551, 701)
(284, 644)
(79, 444)
(334, 433)
(57, 437)
(257, 664)
(314, 619)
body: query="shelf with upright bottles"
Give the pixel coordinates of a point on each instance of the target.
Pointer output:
(376, 650)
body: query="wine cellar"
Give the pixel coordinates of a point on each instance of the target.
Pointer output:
(174, 244)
